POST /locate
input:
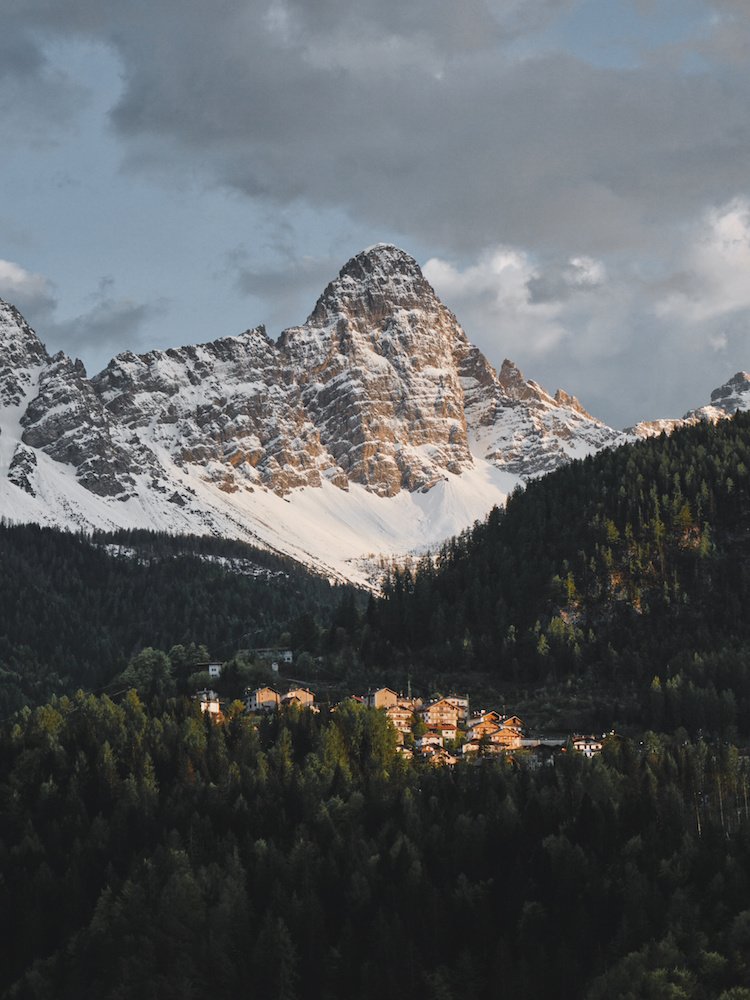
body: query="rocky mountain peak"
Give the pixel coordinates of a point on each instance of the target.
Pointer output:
(564, 398)
(726, 400)
(380, 392)
(20, 351)
(517, 388)
(378, 369)
(16, 335)
(733, 394)
(374, 284)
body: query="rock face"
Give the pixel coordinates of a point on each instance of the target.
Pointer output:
(377, 372)
(400, 430)
(379, 387)
(228, 406)
(400, 395)
(21, 355)
(734, 395)
(519, 427)
(22, 469)
(66, 419)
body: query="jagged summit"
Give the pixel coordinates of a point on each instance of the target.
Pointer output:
(21, 351)
(373, 284)
(733, 393)
(378, 365)
(375, 426)
(17, 340)
(726, 400)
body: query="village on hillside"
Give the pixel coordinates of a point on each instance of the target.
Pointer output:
(441, 730)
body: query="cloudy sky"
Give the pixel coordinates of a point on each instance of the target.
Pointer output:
(573, 175)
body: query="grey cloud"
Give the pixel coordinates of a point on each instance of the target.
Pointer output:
(19, 55)
(37, 101)
(110, 324)
(416, 120)
(558, 281)
(33, 294)
(543, 152)
(391, 113)
(286, 286)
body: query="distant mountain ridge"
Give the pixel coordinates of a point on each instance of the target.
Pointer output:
(379, 396)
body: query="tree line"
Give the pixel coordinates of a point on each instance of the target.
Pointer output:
(75, 609)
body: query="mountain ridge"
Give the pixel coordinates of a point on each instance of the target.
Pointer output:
(295, 444)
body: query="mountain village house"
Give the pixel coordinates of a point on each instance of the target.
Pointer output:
(462, 706)
(431, 729)
(587, 745)
(209, 703)
(263, 699)
(402, 718)
(381, 698)
(300, 696)
(440, 712)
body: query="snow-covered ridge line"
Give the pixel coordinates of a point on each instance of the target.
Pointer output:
(374, 428)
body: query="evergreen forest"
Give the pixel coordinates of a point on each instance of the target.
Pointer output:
(149, 851)
(626, 575)
(75, 609)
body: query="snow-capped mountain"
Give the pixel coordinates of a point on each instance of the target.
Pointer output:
(375, 428)
(734, 395)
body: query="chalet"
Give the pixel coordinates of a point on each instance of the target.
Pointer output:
(263, 699)
(514, 723)
(438, 712)
(401, 717)
(440, 757)
(209, 703)
(213, 669)
(461, 704)
(354, 698)
(587, 745)
(429, 740)
(485, 747)
(543, 751)
(486, 727)
(506, 738)
(491, 717)
(492, 739)
(381, 698)
(445, 729)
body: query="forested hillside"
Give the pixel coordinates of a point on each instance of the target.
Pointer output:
(75, 609)
(148, 852)
(629, 569)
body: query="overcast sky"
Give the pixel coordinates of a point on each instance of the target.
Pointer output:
(573, 175)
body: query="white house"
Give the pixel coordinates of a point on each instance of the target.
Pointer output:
(587, 745)
(209, 702)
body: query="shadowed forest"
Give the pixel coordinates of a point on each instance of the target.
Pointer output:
(146, 851)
